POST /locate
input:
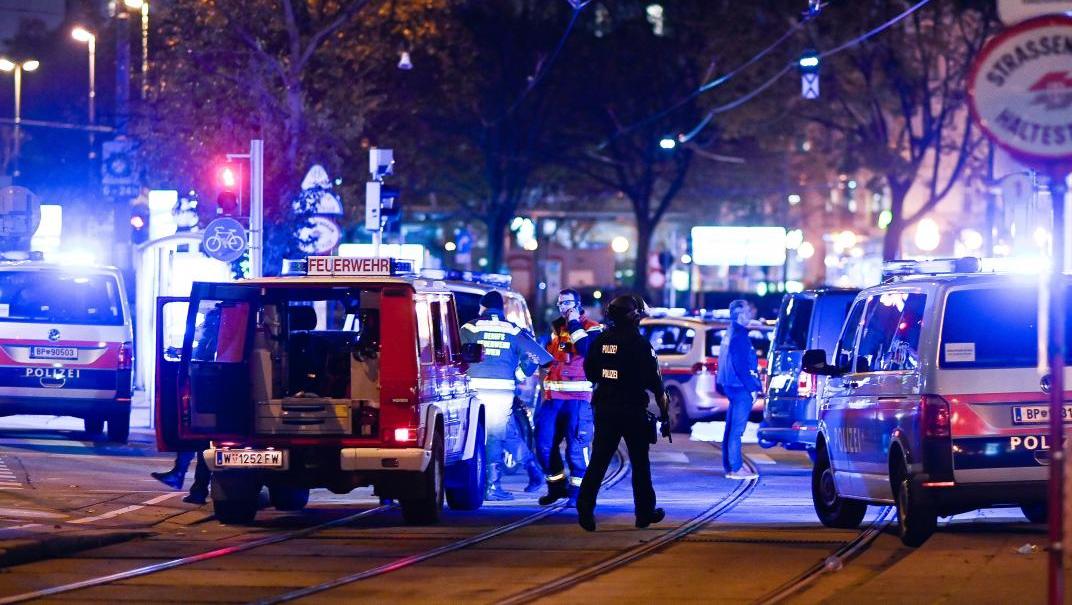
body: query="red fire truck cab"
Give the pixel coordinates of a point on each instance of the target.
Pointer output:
(352, 374)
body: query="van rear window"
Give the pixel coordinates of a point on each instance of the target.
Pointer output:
(793, 321)
(59, 297)
(992, 328)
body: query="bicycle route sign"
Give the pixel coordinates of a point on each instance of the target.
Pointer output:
(225, 239)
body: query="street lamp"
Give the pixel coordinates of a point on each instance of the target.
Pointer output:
(82, 34)
(142, 6)
(8, 65)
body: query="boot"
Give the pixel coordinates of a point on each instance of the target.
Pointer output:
(571, 496)
(172, 478)
(586, 518)
(535, 477)
(654, 516)
(556, 490)
(495, 492)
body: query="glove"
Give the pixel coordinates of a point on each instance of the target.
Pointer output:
(664, 428)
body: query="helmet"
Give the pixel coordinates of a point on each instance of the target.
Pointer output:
(627, 309)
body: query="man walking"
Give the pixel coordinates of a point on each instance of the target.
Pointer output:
(566, 411)
(624, 368)
(506, 346)
(738, 375)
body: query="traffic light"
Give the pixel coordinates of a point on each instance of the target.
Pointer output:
(229, 189)
(139, 223)
(383, 210)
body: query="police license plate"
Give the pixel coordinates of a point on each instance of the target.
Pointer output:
(249, 458)
(54, 353)
(1036, 414)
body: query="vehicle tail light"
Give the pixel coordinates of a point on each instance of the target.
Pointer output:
(406, 435)
(708, 365)
(935, 416)
(806, 384)
(126, 356)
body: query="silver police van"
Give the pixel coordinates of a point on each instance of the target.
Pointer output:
(933, 401)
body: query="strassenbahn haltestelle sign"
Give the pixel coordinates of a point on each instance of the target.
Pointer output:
(1021, 89)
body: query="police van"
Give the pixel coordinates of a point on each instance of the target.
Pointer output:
(349, 374)
(933, 401)
(66, 344)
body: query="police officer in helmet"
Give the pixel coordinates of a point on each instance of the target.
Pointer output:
(623, 367)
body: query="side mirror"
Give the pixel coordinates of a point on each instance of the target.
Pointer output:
(814, 362)
(472, 352)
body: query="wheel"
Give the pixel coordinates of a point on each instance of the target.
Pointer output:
(679, 416)
(288, 498)
(1035, 512)
(119, 427)
(473, 473)
(234, 498)
(832, 509)
(427, 509)
(94, 426)
(916, 517)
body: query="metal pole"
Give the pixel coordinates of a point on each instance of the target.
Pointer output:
(144, 49)
(92, 94)
(122, 71)
(256, 210)
(18, 118)
(1055, 511)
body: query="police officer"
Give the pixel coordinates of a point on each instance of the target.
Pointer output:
(623, 367)
(566, 411)
(508, 352)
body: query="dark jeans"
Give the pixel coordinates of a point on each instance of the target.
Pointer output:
(202, 474)
(613, 425)
(740, 407)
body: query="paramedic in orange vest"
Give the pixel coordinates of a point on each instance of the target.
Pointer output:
(566, 411)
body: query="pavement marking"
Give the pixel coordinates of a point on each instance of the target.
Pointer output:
(125, 509)
(26, 513)
(673, 457)
(762, 458)
(8, 480)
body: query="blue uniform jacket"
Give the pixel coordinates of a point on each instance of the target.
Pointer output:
(738, 366)
(507, 348)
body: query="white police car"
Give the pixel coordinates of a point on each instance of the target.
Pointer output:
(933, 401)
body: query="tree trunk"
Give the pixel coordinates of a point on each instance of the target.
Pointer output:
(497, 224)
(891, 243)
(640, 264)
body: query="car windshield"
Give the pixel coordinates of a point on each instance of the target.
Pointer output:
(60, 297)
(995, 327)
(761, 340)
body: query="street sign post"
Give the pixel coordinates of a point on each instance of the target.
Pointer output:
(1020, 94)
(225, 239)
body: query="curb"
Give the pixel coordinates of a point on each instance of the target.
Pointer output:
(20, 551)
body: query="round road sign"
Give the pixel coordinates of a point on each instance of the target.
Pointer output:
(225, 239)
(1020, 89)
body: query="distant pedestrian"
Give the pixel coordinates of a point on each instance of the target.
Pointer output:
(624, 369)
(174, 478)
(738, 375)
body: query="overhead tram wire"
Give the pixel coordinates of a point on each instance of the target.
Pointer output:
(789, 66)
(545, 67)
(712, 84)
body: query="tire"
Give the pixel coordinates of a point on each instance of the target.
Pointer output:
(679, 416)
(427, 509)
(470, 495)
(832, 509)
(234, 499)
(119, 427)
(916, 517)
(811, 454)
(288, 498)
(94, 426)
(1035, 512)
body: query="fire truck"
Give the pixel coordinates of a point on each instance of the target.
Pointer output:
(343, 373)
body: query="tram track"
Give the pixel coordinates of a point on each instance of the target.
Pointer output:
(741, 492)
(834, 561)
(620, 472)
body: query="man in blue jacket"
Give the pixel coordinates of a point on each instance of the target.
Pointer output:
(738, 375)
(510, 353)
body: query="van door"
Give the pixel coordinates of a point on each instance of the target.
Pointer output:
(214, 382)
(837, 414)
(170, 329)
(452, 393)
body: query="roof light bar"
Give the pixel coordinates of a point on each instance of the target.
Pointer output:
(937, 266)
(497, 280)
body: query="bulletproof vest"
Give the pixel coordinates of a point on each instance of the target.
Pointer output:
(622, 357)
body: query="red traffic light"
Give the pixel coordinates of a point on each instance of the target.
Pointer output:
(228, 178)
